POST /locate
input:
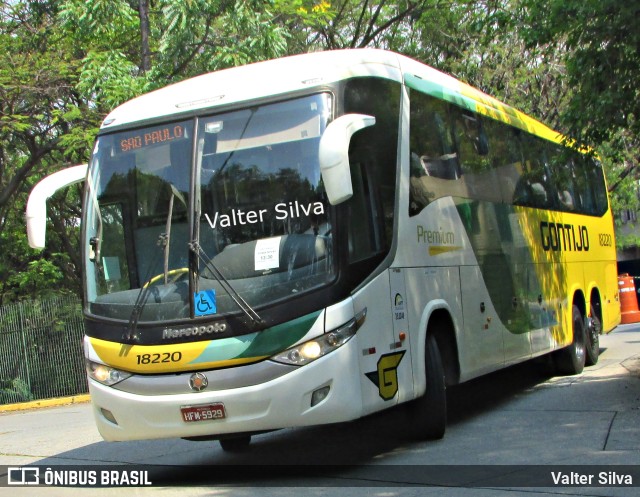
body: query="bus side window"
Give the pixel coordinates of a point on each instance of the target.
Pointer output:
(534, 188)
(439, 158)
(450, 154)
(364, 233)
(579, 182)
(477, 174)
(564, 178)
(596, 180)
(434, 159)
(115, 265)
(373, 157)
(506, 158)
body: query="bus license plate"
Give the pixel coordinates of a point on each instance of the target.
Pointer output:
(208, 412)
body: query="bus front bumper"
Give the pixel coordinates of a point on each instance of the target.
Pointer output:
(280, 403)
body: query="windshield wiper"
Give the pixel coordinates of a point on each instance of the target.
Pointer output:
(224, 283)
(164, 242)
(143, 294)
(166, 236)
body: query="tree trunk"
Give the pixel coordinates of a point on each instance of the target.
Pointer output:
(145, 59)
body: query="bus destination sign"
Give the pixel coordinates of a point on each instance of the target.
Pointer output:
(146, 138)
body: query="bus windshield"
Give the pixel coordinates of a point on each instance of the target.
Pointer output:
(173, 209)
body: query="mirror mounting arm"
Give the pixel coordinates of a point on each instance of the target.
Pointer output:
(36, 213)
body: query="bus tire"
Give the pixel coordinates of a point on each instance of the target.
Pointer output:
(571, 359)
(428, 414)
(235, 444)
(592, 343)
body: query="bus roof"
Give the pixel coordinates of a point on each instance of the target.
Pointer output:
(299, 72)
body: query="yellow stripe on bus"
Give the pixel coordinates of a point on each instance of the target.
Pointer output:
(173, 358)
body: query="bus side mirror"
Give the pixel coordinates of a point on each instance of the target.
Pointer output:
(37, 204)
(334, 155)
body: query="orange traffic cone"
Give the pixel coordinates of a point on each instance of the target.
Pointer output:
(628, 299)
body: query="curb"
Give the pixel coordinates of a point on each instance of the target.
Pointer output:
(36, 404)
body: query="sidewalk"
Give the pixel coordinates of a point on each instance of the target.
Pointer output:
(36, 404)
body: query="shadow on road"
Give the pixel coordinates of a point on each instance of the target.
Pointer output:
(360, 442)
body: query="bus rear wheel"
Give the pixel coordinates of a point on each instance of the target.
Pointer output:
(571, 359)
(428, 414)
(594, 327)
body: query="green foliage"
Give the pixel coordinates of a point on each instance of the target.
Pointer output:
(45, 337)
(359, 24)
(249, 36)
(28, 274)
(65, 63)
(15, 390)
(224, 34)
(109, 78)
(600, 40)
(36, 274)
(618, 155)
(90, 23)
(602, 63)
(481, 43)
(105, 34)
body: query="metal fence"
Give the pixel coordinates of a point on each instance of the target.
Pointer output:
(41, 350)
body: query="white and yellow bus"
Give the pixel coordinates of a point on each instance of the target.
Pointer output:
(315, 238)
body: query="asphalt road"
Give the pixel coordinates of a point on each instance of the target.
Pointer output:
(519, 423)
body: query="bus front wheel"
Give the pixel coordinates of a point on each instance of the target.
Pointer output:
(428, 414)
(235, 444)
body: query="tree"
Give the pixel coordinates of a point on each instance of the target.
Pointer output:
(126, 50)
(602, 61)
(64, 65)
(600, 40)
(361, 24)
(44, 124)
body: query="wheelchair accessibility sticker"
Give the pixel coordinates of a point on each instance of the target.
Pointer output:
(204, 303)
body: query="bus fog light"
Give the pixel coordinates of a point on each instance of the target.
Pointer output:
(108, 415)
(319, 395)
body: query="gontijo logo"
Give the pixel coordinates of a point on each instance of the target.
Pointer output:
(560, 237)
(386, 377)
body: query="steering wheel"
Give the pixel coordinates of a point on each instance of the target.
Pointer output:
(172, 276)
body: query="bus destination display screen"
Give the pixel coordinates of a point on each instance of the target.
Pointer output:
(130, 142)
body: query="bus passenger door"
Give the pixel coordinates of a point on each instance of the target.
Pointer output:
(400, 341)
(383, 361)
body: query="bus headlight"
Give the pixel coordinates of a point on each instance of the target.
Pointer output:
(104, 374)
(313, 349)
